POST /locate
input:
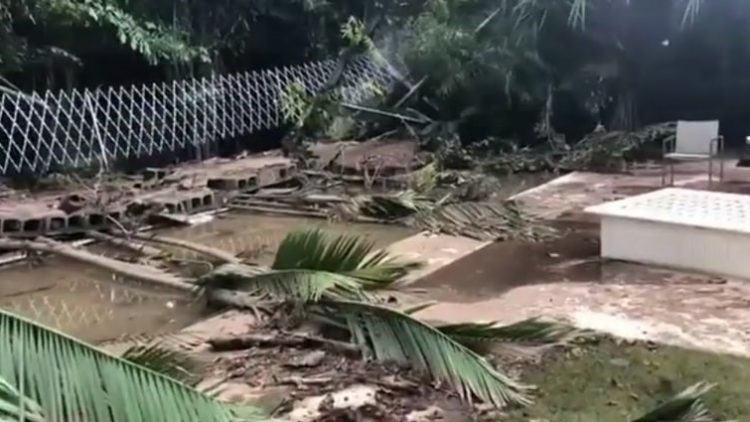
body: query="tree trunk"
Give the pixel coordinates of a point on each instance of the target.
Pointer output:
(135, 271)
(218, 254)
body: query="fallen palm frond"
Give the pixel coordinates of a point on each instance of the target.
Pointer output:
(284, 285)
(164, 360)
(424, 180)
(390, 335)
(480, 335)
(484, 221)
(387, 207)
(348, 255)
(71, 380)
(610, 150)
(602, 151)
(14, 406)
(687, 406)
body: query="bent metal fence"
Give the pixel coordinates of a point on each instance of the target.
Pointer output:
(77, 128)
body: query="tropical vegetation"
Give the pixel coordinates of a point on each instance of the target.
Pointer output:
(519, 71)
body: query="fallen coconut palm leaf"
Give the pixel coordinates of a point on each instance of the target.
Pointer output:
(424, 180)
(347, 255)
(164, 360)
(479, 336)
(15, 406)
(387, 207)
(687, 406)
(284, 285)
(484, 221)
(390, 335)
(69, 380)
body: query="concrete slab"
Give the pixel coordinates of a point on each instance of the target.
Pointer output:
(578, 190)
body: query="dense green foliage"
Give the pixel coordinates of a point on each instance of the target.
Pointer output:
(522, 70)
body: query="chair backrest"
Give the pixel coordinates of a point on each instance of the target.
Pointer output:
(694, 137)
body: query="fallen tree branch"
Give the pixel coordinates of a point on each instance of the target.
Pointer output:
(232, 343)
(135, 271)
(215, 253)
(269, 210)
(304, 381)
(136, 247)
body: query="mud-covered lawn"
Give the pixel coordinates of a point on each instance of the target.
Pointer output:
(613, 380)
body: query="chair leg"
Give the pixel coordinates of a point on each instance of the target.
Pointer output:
(710, 172)
(671, 173)
(663, 173)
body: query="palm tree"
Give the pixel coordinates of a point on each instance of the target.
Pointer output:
(46, 375)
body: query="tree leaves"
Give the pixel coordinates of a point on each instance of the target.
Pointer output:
(390, 335)
(687, 406)
(348, 255)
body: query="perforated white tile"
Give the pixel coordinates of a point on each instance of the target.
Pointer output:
(723, 211)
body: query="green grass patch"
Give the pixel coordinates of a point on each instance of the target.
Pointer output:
(615, 381)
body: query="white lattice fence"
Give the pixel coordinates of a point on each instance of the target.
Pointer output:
(76, 128)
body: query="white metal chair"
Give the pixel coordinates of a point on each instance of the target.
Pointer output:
(695, 141)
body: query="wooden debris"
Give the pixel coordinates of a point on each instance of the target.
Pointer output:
(231, 343)
(215, 253)
(139, 248)
(135, 271)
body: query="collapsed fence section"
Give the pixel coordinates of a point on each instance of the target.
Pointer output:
(78, 128)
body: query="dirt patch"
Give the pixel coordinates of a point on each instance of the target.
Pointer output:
(501, 266)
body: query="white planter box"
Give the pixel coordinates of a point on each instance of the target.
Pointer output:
(680, 228)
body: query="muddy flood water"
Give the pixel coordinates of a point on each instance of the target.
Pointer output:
(96, 306)
(503, 266)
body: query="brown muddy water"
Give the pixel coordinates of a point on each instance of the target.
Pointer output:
(256, 237)
(502, 266)
(96, 306)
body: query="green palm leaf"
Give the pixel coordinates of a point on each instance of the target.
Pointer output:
(686, 406)
(390, 335)
(349, 255)
(15, 406)
(478, 336)
(71, 380)
(164, 360)
(285, 285)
